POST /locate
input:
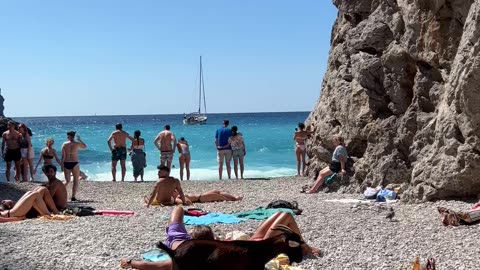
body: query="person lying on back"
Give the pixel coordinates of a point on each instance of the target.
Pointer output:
(164, 190)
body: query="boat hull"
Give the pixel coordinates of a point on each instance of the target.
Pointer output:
(195, 120)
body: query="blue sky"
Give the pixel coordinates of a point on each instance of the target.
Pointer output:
(141, 57)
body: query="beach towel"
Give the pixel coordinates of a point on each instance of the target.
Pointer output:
(155, 254)
(211, 218)
(261, 213)
(56, 217)
(114, 213)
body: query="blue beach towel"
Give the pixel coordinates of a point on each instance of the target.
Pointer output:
(211, 218)
(155, 254)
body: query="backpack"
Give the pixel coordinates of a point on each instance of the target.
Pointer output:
(286, 204)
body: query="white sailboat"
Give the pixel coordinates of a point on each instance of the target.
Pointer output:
(198, 118)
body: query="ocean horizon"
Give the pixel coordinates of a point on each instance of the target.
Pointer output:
(268, 138)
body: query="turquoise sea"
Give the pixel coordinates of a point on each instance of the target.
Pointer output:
(268, 138)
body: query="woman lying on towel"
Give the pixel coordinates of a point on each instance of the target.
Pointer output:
(177, 233)
(209, 196)
(32, 204)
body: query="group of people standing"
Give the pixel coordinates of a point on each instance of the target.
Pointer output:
(17, 148)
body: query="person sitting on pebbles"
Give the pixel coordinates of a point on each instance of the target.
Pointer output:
(165, 188)
(177, 233)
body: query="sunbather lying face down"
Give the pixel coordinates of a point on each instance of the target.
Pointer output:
(209, 196)
(37, 201)
(176, 234)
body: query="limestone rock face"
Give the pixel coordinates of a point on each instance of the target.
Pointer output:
(403, 87)
(2, 108)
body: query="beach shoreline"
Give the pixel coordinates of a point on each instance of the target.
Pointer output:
(350, 235)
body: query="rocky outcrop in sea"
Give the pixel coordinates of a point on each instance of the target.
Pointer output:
(403, 87)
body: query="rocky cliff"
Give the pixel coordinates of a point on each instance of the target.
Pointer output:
(403, 87)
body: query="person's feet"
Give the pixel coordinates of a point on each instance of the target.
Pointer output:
(239, 198)
(73, 199)
(311, 191)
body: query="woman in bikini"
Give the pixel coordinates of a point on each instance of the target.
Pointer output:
(300, 149)
(37, 201)
(26, 150)
(184, 157)
(48, 154)
(138, 156)
(209, 196)
(238, 151)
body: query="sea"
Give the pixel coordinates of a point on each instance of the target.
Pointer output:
(268, 138)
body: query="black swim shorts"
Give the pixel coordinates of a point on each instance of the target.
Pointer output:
(119, 153)
(13, 155)
(335, 166)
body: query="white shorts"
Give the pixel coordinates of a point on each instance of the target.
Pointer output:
(27, 153)
(224, 154)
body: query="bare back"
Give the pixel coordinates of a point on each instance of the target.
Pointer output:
(70, 151)
(11, 138)
(166, 138)
(119, 138)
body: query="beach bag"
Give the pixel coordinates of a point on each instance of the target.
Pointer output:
(195, 212)
(286, 204)
(81, 211)
(370, 193)
(385, 194)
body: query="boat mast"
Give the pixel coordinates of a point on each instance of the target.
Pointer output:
(200, 87)
(204, 100)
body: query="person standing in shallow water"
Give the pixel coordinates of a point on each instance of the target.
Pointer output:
(48, 154)
(167, 146)
(224, 150)
(139, 161)
(300, 148)
(26, 150)
(10, 140)
(184, 157)
(238, 151)
(119, 150)
(70, 160)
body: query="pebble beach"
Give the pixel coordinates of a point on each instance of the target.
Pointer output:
(351, 235)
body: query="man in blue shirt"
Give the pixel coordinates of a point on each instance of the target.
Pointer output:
(224, 151)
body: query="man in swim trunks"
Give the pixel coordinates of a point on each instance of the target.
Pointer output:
(119, 150)
(166, 147)
(70, 160)
(164, 190)
(10, 138)
(55, 187)
(224, 150)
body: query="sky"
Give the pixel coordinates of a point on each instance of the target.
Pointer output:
(117, 57)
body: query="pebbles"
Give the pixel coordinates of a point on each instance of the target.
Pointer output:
(351, 236)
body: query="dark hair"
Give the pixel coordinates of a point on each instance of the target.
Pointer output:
(137, 134)
(167, 127)
(226, 122)
(301, 126)
(163, 168)
(234, 130)
(118, 126)
(182, 139)
(202, 232)
(46, 168)
(71, 133)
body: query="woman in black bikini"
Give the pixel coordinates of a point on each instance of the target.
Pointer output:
(26, 150)
(47, 154)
